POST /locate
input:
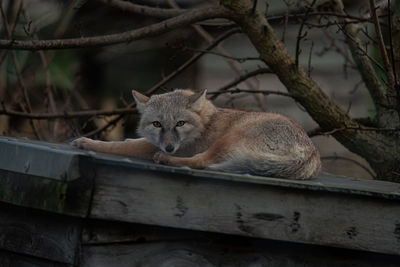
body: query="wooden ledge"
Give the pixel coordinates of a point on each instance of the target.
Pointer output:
(331, 210)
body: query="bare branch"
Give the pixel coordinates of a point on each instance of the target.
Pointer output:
(232, 64)
(317, 14)
(128, 36)
(382, 48)
(193, 59)
(363, 62)
(237, 90)
(44, 63)
(391, 45)
(360, 50)
(3, 53)
(310, 95)
(144, 10)
(166, 79)
(300, 34)
(286, 22)
(309, 68)
(318, 130)
(240, 79)
(238, 59)
(105, 126)
(20, 79)
(67, 115)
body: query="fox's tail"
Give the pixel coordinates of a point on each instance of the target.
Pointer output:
(270, 165)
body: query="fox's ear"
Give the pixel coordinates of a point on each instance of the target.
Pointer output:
(140, 99)
(197, 100)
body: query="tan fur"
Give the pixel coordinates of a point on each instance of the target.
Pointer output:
(260, 143)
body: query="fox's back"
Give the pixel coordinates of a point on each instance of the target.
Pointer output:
(280, 131)
(264, 143)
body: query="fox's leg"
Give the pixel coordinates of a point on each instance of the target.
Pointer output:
(217, 153)
(137, 148)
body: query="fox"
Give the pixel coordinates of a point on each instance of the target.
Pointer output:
(183, 128)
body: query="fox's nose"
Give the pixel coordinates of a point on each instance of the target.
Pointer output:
(169, 148)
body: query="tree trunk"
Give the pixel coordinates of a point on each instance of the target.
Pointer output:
(380, 148)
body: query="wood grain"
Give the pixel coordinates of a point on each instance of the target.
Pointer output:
(42, 235)
(294, 215)
(233, 253)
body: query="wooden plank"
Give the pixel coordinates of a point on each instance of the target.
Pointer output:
(233, 253)
(325, 182)
(107, 243)
(41, 235)
(249, 209)
(25, 190)
(63, 162)
(10, 259)
(99, 232)
(330, 211)
(53, 161)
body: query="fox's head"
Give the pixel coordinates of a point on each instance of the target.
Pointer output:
(171, 120)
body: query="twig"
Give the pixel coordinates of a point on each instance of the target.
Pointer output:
(318, 130)
(335, 157)
(391, 43)
(221, 24)
(240, 79)
(166, 79)
(144, 10)
(237, 90)
(385, 58)
(193, 59)
(3, 53)
(369, 36)
(105, 126)
(362, 50)
(68, 115)
(237, 68)
(309, 68)
(154, 88)
(285, 22)
(396, 82)
(238, 59)
(19, 76)
(43, 59)
(318, 13)
(254, 8)
(330, 23)
(364, 64)
(72, 7)
(128, 36)
(333, 40)
(300, 35)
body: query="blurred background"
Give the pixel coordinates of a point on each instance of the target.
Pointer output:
(70, 80)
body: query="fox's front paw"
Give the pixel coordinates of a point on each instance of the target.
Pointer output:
(82, 142)
(161, 158)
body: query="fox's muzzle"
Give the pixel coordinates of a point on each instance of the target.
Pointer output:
(169, 148)
(169, 141)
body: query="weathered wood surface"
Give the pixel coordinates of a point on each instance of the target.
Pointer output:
(256, 210)
(121, 244)
(47, 160)
(330, 211)
(39, 235)
(206, 254)
(26, 190)
(10, 259)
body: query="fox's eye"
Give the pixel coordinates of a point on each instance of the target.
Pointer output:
(180, 123)
(156, 124)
